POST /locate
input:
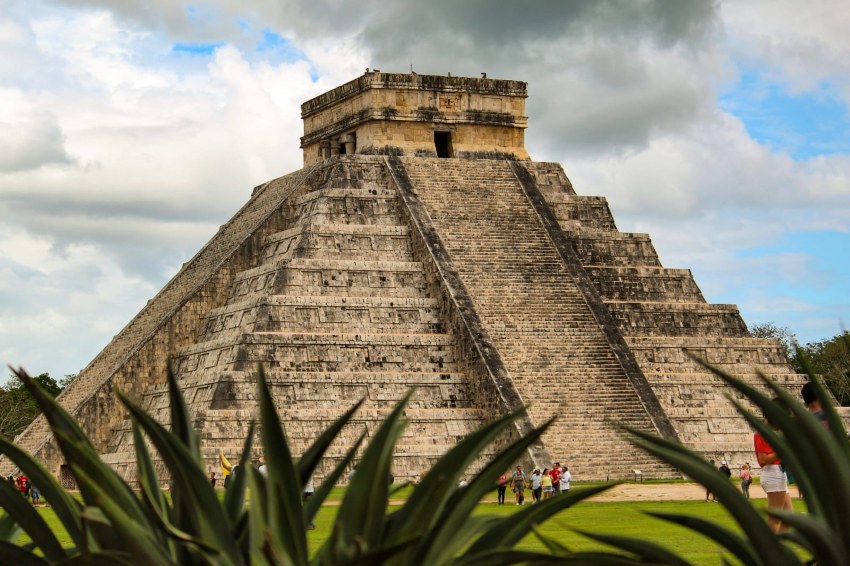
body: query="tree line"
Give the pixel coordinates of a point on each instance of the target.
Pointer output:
(18, 408)
(829, 358)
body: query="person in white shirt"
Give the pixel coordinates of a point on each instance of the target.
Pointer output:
(536, 488)
(566, 477)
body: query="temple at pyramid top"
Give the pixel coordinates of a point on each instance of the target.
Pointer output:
(417, 115)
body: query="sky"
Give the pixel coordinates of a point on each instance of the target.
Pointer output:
(131, 130)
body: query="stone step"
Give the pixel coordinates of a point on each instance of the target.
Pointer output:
(324, 314)
(375, 191)
(645, 284)
(349, 206)
(331, 277)
(576, 212)
(677, 319)
(613, 249)
(339, 241)
(321, 352)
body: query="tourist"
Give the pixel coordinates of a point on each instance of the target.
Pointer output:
(546, 483)
(23, 485)
(773, 480)
(810, 399)
(212, 478)
(309, 489)
(35, 495)
(555, 474)
(501, 488)
(518, 481)
(708, 493)
(746, 480)
(536, 490)
(263, 469)
(566, 478)
(225, 469)
(724, 469)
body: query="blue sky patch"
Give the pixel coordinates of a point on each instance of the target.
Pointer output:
(802, 125)
(204, 49)
(823, 281)
(278, 49)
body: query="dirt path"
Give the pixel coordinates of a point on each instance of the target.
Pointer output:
(639, 492)
(662, 492)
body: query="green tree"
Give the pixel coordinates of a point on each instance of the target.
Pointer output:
(783, 334)
(830, 359)
(18, 408)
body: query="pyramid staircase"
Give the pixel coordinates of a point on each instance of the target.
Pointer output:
(558, 358)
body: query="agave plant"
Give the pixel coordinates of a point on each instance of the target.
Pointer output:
(819, 458)
(113, 524)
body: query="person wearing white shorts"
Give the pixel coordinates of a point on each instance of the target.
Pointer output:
(773, 481)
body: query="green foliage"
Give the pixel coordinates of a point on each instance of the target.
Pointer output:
(831, 360)
(18, 408)
(785, 335)
(819, 458)
(437, 524)
(115, 525)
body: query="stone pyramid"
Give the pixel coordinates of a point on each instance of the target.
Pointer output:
(420, 247)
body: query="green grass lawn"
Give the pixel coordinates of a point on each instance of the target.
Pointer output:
(620, 518)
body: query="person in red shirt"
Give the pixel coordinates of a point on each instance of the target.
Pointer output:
(23, 484)
(555, 474)
(773, 481)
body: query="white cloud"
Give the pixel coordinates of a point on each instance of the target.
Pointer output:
(801, 44)
(119, 158)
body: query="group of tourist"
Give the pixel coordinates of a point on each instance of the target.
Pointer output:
(542, 484)
(23, 485)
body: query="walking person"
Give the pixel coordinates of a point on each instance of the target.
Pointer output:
(501, 488)
(35, 495)
(519, 481)
(536, 489)
(773, 480)
(707, 492)
(746, 480)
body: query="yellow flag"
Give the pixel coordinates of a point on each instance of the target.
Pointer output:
(225, 465)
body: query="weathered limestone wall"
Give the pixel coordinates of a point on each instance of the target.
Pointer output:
(417, 138)
(385, 113)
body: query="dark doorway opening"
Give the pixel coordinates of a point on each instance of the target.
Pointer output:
(443, 143)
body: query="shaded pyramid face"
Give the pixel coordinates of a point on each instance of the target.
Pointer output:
(338, 309)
